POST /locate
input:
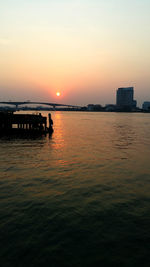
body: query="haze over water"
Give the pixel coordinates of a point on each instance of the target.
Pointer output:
(79, 198)
(85, 49)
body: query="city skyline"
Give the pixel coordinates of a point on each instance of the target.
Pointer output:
(83, 49)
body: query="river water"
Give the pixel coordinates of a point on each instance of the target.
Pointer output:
(80, 197)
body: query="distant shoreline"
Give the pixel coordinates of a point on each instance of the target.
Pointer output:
(75, 110)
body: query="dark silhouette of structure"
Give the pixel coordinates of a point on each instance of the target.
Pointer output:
(125, 98)
(11, 123)
(146, 106)
(17, 104)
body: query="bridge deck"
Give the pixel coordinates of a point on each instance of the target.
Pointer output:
(36, 103)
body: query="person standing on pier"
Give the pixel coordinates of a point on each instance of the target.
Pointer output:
(50, 123)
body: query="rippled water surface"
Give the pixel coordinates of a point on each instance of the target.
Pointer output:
(80, 197)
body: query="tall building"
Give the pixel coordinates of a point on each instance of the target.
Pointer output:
(125, 97)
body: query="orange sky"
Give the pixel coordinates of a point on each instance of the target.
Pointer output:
(84, 49)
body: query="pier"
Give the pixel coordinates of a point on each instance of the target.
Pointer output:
(24, 123)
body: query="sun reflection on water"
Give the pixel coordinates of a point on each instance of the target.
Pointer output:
(59, 133)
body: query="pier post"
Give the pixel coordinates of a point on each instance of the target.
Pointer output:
(50, 123)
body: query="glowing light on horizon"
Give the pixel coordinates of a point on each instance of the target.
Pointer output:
(58, 93)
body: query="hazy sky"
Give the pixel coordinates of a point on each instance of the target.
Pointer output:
(85, 49)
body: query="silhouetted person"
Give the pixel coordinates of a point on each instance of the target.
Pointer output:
(50, 123)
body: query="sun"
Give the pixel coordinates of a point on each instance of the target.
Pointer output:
(58, 93)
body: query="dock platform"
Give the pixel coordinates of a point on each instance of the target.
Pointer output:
(11, 123)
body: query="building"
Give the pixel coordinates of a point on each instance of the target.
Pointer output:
(110, 107)
(125, 98)
(92, 107)
(146, 106)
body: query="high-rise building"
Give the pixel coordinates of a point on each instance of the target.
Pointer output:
(125, 97)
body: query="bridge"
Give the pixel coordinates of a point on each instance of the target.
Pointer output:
(17, 104)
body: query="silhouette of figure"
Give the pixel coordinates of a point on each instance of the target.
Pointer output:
(50, 123)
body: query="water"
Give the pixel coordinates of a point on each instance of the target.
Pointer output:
(79, 198)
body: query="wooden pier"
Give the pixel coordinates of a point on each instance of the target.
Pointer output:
(24, 123)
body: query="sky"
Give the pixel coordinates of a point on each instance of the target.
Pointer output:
(84, 49)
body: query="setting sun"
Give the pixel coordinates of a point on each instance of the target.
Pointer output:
(58, 93)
